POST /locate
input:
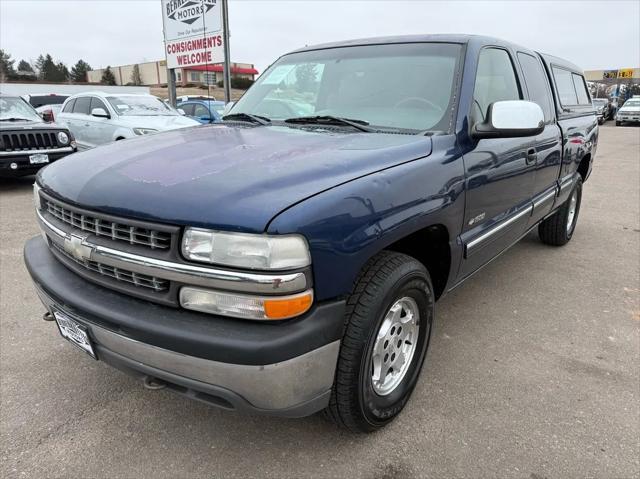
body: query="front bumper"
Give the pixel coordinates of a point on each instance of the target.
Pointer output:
(282, 369)
(629, 118)
(24, 166)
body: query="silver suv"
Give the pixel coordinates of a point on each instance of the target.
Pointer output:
(97, 118)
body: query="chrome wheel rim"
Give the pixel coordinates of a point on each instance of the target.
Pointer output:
(395, 345)
(573, 203)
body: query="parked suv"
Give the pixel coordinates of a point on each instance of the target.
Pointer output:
(27, 143)
(629, 112)
(98, 118)
(282, 263)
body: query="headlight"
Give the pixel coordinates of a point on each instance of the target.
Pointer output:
(245, 306)
(36, 196)
(63, 138)
(143, 131)
(242, 250)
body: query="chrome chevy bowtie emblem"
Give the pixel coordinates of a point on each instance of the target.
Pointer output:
(74, 245)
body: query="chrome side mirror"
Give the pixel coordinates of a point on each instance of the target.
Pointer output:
(510, 119)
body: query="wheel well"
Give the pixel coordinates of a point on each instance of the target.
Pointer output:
(430, 246)
(120, 138)
(583, 168)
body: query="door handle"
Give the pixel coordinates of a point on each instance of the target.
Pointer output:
(532, 156)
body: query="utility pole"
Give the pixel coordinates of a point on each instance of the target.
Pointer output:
(171, 86)
(227, 55)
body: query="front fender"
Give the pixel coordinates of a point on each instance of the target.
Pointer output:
(123, 132)
(350, 223)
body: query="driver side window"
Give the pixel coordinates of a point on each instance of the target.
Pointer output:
(495, 81)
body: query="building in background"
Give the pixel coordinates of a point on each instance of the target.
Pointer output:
(155, 73)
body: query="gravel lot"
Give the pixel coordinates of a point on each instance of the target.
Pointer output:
(533, 372)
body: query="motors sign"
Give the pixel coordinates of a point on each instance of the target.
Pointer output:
(192, 32)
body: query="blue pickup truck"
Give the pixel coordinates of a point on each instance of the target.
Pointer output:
(288, 259)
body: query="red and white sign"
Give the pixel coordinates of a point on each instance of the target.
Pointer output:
(194, 51)
(192, 32)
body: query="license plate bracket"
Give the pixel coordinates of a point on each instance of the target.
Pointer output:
(74, 332)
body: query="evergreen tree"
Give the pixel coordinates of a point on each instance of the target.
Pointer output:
(39, 64)
(108, 78)
(49, 70)
(25, 66)
(62, 73)
(135, 75)
(79, 72)
(6, 66)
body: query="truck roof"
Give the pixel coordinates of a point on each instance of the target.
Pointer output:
(444, 38)
(437, 38)
(553, 60)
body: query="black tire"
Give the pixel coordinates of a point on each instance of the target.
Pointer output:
(618, 123)
(555, 230)
(386, 278)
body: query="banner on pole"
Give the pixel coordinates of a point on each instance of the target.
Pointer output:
(192, 32)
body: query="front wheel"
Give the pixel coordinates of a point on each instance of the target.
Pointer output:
(389, 318)
(557, 230)
(618, 123)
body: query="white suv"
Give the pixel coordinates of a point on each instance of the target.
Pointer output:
(97, 118)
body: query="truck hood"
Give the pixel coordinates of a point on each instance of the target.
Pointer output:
(156, 122)
(220, 176)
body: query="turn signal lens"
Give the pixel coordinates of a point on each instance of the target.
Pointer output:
(245, 306)
(288, 307)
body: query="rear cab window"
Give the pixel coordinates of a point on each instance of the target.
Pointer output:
(572, 89)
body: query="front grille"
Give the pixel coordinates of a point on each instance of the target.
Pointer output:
(115, 230)
(141, 280)
(30, 140)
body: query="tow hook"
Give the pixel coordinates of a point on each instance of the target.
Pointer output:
(153, 383)
(48, 316)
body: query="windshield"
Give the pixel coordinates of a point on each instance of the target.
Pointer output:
(634, 103)
(17, 108)
(600, 102)
(141, 105)
(405, 86)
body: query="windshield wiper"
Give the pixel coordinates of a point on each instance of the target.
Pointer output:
(261, 120)
(15, 119)
(332, 120)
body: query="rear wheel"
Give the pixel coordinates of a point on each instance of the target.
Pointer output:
(557, 230)
(618, 123)
(388, 325)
